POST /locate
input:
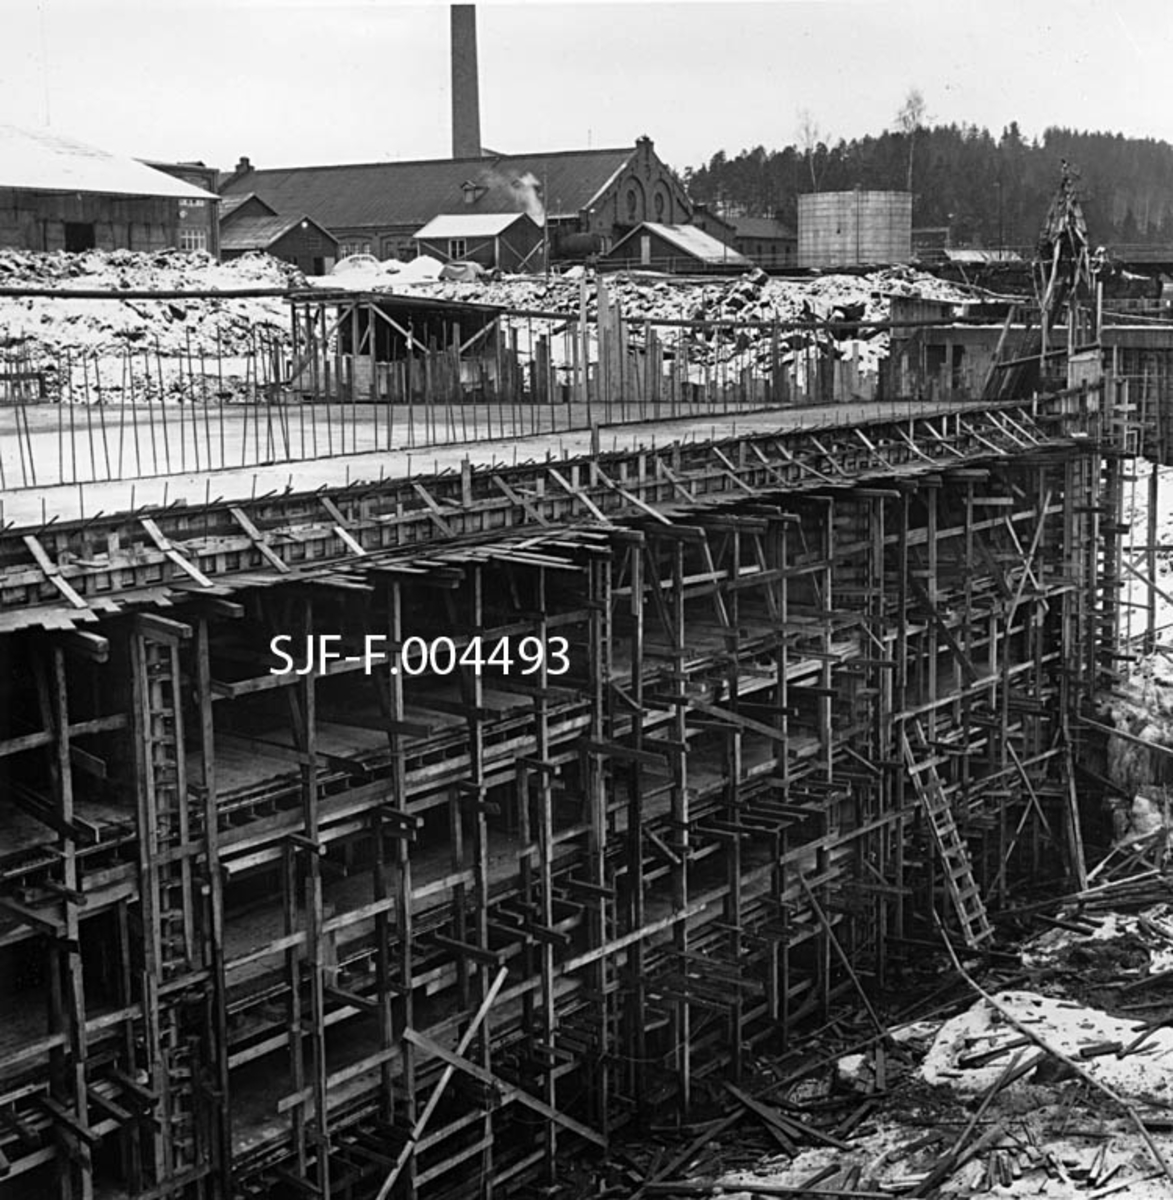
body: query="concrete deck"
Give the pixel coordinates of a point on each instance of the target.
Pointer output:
(35, 507)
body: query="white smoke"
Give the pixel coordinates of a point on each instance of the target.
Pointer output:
(528, 190)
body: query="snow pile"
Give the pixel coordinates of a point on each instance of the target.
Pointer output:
(1145, 1075)
(59, 325)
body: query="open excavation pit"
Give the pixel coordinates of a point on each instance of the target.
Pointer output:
(772, 704)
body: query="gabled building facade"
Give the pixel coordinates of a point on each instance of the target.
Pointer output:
(60, 194)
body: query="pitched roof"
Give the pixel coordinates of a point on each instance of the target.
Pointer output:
(259, 233)
(229, 204)
(39, 160)
(690, 240)
(466, 225)
(760, 227)
(965, 255)
(412, 193)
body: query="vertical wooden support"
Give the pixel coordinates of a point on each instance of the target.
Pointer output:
(636, 916)
(67, 991)
(545, 836)
(403, 895)
(600, 666)
(476, 791)
(214, 936)
(734, 908)
(681, 819)
(290, 880)
(311, 871)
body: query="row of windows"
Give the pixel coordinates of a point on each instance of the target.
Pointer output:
(345, 248)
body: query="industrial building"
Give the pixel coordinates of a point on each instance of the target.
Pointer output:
(60, 194)
(590, 198)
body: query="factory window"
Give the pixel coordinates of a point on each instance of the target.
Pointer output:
(457, 248)
(193, 239)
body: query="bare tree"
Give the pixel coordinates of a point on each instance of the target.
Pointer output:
(912, 116)
(809, 137)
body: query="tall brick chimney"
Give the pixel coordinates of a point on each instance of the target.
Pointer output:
(466, 105)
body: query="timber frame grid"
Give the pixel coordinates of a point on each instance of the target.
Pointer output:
(361, 935)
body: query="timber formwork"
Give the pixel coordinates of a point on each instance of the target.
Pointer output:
(357, 934)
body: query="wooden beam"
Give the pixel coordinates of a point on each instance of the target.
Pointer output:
(258, 539)
(169, 551)
(507, 1091)
(52, 571)
(434, 1099)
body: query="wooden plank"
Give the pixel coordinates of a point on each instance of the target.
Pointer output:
(579, 495)
(52, 571)
(259, 540)
(506, 1090)
(433, 1100)
(434, 510)
(516, 498)
(161, 542)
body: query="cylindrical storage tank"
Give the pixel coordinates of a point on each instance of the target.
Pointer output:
(840, 229)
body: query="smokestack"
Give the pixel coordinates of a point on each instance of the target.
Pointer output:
(466, 105)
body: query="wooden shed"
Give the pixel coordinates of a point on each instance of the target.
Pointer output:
(299, 240)
(677, 249)
(505, 241)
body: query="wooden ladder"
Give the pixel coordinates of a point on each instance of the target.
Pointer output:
(963, 888)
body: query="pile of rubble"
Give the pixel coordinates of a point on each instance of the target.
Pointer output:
(1057, 1082)
(51, 326)
(753, 298)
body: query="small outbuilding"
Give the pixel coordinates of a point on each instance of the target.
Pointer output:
(676, 249)
(509, 242)
(296, 239)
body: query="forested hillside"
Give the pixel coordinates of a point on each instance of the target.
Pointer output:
(990, 191)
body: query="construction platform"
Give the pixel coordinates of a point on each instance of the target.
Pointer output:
(356, 933)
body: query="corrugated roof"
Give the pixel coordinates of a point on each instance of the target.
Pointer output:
(466, 225)
(412, 193)
(256, 233)
(690, 240)
(39, 160)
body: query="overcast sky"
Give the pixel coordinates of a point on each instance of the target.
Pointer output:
(311, 81)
